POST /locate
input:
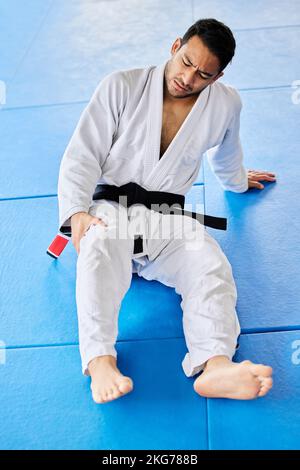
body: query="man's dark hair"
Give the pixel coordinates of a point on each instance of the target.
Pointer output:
(216, 36)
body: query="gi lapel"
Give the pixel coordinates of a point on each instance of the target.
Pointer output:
(156, 169)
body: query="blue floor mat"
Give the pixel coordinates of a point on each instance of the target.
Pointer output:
(37, 137)
(271, 422)
(48, 404)
(262, 67)
(244, 15)
(92, 48)
(18, 32)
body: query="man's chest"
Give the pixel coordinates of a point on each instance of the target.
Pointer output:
(172, 120)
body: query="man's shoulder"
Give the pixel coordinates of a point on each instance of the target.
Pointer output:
(228, 94)
(128, 77)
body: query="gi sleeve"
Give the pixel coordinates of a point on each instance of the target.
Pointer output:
(226, 159)
(80, 167)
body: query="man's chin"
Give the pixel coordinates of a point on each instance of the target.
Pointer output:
(177, 94)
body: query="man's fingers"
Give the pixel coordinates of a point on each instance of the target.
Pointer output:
(263, 177)
(102, 222)
(261, 173)
(255, 184)
(96, 221)
(254, 176)
(269, 178)
(79, 231)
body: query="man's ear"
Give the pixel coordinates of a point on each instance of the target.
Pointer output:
(176, 46)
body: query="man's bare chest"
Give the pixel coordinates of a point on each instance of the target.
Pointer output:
(172, 121)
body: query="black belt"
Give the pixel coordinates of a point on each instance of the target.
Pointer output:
(160, 201)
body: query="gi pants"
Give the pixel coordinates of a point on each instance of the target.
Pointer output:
(178, 252)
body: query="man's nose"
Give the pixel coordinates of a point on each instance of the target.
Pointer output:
(189, 78)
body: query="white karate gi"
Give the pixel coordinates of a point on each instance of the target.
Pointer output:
(117, 140)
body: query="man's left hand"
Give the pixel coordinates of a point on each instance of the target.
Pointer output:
(255, 176)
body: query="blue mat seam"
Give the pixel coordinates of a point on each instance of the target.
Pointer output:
(172, 338)
(48, 105)
(261, 28)
(70, 103)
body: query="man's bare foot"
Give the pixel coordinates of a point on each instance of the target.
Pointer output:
(107, 381)
(241, 381)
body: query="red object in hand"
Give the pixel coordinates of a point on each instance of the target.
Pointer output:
(58, 245)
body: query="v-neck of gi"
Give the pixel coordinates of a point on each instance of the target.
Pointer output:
(155, 166)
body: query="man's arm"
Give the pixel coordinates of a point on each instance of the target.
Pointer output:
(226, 160)
(80, 168)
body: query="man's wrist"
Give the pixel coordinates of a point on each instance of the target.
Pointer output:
(78, 214)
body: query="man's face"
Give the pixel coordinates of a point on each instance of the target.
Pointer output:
(192, 67)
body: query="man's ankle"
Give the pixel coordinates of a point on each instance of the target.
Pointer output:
(101, 360)
(217, 361)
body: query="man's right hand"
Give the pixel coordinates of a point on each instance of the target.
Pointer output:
(80, 223)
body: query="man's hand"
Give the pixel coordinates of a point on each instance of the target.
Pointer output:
(80, 223)
(255, 176)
